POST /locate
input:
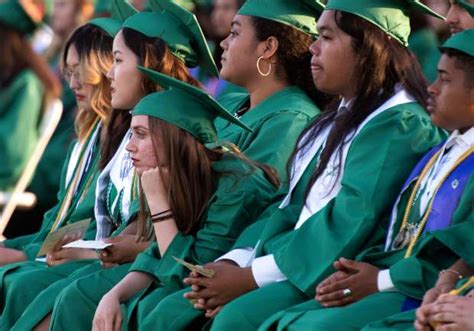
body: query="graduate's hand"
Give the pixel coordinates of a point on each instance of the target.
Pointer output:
(67, 255)
(433, 294)
(421, 322)
(61, 255)
(10, 255)
(154, 187)
(108, 316)
(331, 279)
(125, 249)
(228, 283)
(361, 280)
(452, 312)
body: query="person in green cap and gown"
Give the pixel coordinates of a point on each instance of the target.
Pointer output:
(347, 169)
(25, 80)
(159, 40)
(86, 61)
(66, 16)
(460, 15)
(237, 192)
(438, 249)
(266, 53)
(432, 213)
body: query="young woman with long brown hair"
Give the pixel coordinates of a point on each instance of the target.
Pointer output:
(199, 198)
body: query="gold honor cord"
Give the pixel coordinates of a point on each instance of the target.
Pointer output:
(66, 202)
(467, 284)
(464, 156)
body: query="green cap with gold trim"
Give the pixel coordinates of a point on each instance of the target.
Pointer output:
(299, 14)
(462, 41)
(121, 10)
(21, 15)
(180, 30)
(391, 16)
(184, 106)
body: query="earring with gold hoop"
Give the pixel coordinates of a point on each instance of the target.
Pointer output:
(264, 74)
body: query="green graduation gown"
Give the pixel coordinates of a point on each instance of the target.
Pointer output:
(236, 202)
(14, 276)
(20, 110)
(276, 123)
(54, 279)
(349, 223)
(411, 276)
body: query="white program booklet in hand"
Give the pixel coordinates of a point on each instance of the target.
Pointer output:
(88, 244)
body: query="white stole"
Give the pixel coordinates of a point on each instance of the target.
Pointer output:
(120, 172)
(327, 186)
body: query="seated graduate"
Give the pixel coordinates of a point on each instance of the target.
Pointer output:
(199, 198)
(25, 82)
(429, 220)
(452, 99)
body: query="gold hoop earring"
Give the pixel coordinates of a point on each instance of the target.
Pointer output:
(260, 71)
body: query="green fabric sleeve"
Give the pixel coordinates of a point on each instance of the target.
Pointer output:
(379, 160)
(236, 203)
(279, 129)
(20, 109)
(251, 235)
(146, 261)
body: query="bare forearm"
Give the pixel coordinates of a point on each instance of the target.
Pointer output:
(165, 232)
(131, 228)
(132, 283)
(9, 255)
(462, 268)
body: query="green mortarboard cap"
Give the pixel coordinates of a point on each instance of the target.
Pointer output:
(391, 16)
(300, 14)
(23, 16)
(185, 106)
(180, 30)
(121, 10)
(466, 5)
(462, 41)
